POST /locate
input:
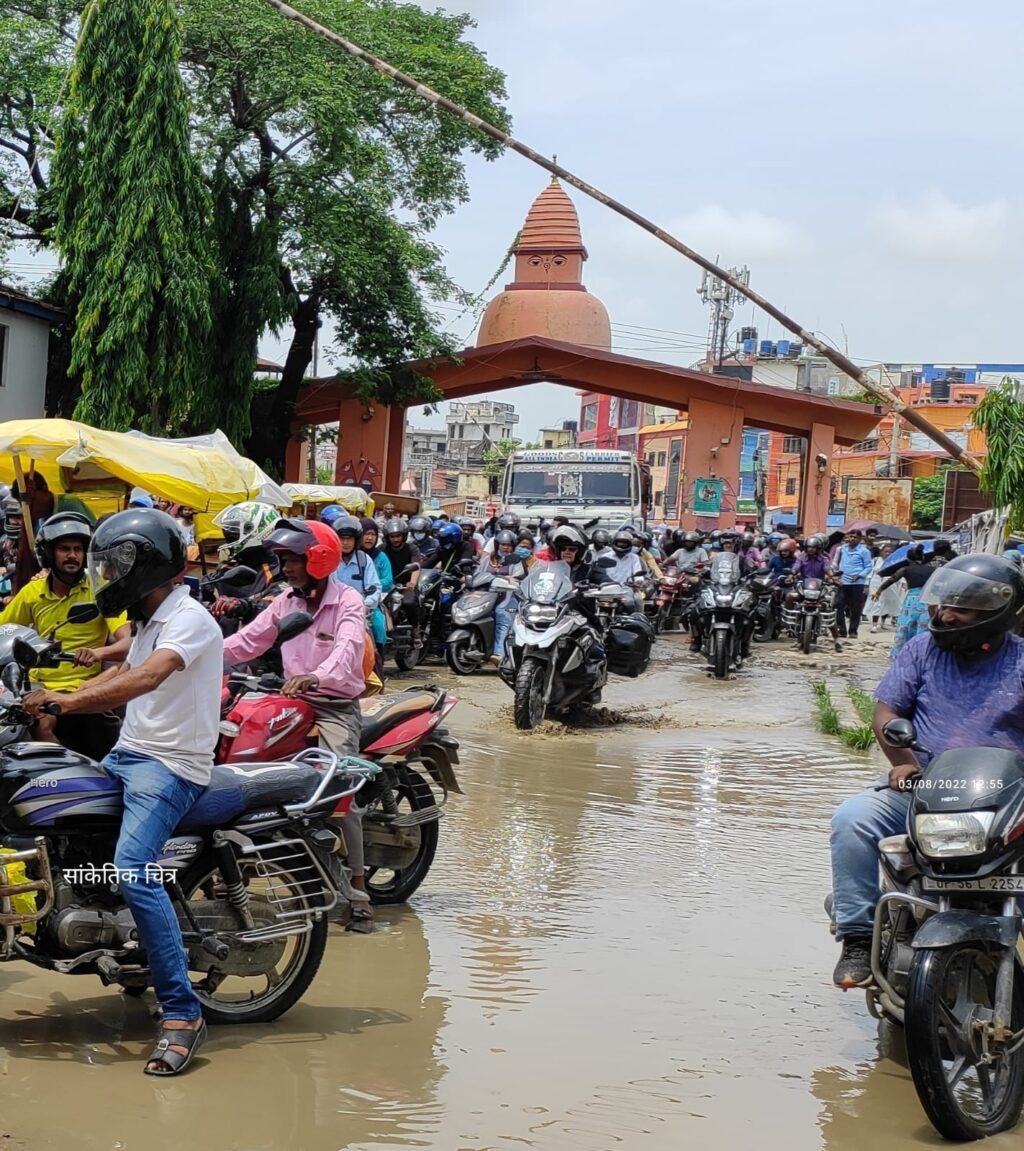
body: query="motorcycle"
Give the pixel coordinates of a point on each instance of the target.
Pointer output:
(767, 613)
(668, 600)
(472, 638)
(403, 734)
(808, 611)
(555, 656)
(946, 950)
(724, 610)
(435, 594)
(248, 870)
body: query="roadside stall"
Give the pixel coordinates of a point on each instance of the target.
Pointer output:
(309, 500)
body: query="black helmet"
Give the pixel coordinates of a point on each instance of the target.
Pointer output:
(420, 527)
(728, 537)
(509, 520)
(62, 526)
(690, 541)
(348, 526)
(748, 539)
(989, 585)
(622, 542)
(677, 536)
(504, 538)
(567, 536)
(601, 538)
(396, 526)
(13, 516)
(814, 542)
(132, 554)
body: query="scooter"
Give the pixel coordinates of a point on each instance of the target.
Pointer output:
(472, 638)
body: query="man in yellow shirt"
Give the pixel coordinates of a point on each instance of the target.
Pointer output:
(43, 605)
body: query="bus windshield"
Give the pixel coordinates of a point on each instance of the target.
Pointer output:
(570, 483)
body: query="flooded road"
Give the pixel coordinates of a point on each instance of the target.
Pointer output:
(621, 945)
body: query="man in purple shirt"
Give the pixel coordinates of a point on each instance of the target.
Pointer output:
(962, 684)
(815, 564)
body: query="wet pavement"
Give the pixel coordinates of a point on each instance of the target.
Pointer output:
(621, 944)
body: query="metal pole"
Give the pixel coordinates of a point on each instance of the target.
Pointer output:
(833, 355)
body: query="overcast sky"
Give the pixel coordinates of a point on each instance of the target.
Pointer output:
(863, 161)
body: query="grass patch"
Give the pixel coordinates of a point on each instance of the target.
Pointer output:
(858, 736)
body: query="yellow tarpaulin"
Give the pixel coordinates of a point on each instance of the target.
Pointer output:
(203, 472)
(353, 500)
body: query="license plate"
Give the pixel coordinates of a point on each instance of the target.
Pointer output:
(1011, 884)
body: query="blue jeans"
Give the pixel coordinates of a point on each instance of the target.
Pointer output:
(155, 799)
(857, 825)
(503, 617)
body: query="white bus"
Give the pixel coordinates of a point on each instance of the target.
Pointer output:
(582, 484)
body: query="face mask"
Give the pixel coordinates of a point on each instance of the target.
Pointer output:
(419, 537)
(522, 553)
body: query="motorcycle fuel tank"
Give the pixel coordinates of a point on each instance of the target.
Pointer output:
(45, 787)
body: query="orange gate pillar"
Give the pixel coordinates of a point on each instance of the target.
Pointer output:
(370, 440)
(714, 440)
(815, 487)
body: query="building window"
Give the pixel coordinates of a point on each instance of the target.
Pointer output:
(662, 459)
(870, 445)
(793, 444)
(651, 457)
(659, 499)
(589, 417)
(846, 484)
(549, 443)
(791, 487)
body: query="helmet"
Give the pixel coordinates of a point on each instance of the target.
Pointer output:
(245, 525)
(346, 525)
(62, 526)
(787, 546)
(728, 537)
(437, 525)
(331, 514)
(420, 527)
(601, 538)
(990, 585)
(1014, 556)
(504, 538)
(775, 538)
(509, 520)
(450, 536)
(13, 516)
(816, 542)
(132, 554)
(748, 539)
(396, 526)
(468, 525)
(622, 542)
(567, 536)
(677, 536)
(312, 539)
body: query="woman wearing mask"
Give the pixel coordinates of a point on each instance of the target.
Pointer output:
(509, 560)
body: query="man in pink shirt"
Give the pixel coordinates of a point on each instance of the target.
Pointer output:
(326, 658)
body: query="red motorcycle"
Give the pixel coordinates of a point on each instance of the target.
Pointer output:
(402, 733)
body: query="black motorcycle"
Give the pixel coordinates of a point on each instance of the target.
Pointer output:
(725, 610)
(472, 636)
(808, 610)
(946, 951)
(248, 870)
(434, 593)
(767, 610)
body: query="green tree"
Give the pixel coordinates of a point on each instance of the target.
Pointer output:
(1000, 415)
(929, 492)
(326, 181)
(132, 223)
(496, 456)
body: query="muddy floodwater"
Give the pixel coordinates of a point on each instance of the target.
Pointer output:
(621, 945)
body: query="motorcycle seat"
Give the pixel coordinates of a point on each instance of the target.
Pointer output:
(381, 715)
(236, 788)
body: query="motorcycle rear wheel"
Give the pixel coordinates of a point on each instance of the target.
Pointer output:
(949, 991)
(457, 651)
(720, 649)
(235, 1000)
(408, 659)
(528, 706)
(396, 886)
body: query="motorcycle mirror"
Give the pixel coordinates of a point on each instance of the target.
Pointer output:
(292, 625)
(82, 613)
(11, 676)
(24, 654)
(406, 571)
(900, 733)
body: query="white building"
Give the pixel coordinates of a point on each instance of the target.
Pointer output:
(25, 326)
(476, 425)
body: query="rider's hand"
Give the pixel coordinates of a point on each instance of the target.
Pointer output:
(300, 683)
(35, 701)
(86, 657)
(902, 775)
(225, 605)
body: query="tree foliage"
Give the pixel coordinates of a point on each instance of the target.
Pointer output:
(326, 180)
(929, 492)
(1000, 415)
(132, 223)
(496, 456)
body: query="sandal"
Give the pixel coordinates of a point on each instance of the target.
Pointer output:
(360, 919)
(191, 1038)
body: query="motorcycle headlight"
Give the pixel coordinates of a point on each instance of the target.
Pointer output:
(948, 834)
(537, 613)
(725, 598)
(465, 613)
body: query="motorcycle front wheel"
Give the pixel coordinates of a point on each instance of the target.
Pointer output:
(406, 660)
(807, 635)
(529, 707)
(460, 654)
(950, 996)
(720, 654)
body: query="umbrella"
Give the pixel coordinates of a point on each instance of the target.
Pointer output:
(885, 531)
(899, 556)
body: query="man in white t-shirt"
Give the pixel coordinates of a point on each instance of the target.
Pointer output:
(164, 757)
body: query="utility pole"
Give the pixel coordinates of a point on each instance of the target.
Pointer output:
(722, 297)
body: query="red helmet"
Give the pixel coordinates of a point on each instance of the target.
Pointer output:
(312, 539)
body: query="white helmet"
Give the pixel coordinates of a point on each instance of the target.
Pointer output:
(244, 526)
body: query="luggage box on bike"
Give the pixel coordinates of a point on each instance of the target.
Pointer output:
(628, 645)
